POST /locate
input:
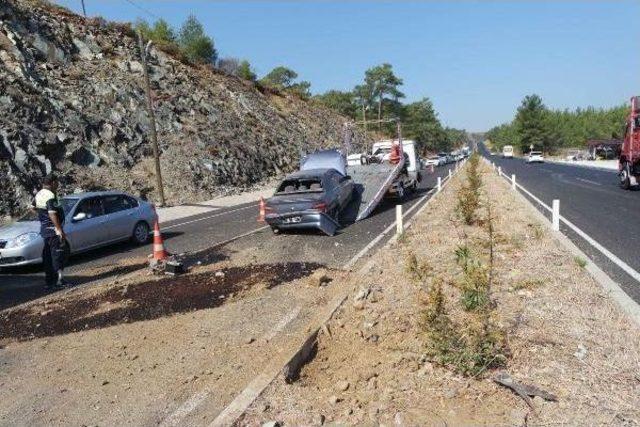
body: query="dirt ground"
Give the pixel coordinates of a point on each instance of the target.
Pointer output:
(133, 351)
(564, 336)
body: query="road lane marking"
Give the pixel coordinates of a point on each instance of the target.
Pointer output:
(604, 251)
(588, 181)
(282, 323)
(380, 236)
(208, 217)
(194, 401)
(185, 409)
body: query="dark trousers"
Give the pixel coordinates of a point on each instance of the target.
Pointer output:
(53, 259)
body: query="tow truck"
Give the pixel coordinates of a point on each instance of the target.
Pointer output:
(629, 163)
(392, 168)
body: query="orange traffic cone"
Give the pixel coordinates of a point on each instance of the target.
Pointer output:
(262, 210)
(159, 254)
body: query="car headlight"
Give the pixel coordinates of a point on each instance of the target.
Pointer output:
(22, 240)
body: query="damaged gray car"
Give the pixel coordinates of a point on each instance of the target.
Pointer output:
(312, 198)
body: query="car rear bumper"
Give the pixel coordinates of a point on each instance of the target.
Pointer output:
(303, 220)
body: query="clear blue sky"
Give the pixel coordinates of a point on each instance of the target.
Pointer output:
(476, 60)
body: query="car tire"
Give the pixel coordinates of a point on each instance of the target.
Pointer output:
(625, 180)
(275, 230)
(140, 235)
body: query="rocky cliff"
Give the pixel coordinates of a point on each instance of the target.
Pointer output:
(72, 101)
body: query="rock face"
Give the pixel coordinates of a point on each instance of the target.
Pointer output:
(72, 101)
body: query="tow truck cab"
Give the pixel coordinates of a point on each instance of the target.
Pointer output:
(629, 163)
(412, 176)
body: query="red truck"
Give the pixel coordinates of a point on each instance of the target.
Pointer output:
(629, 165)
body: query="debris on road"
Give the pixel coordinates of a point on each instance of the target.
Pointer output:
(143, 300)
(525, 391)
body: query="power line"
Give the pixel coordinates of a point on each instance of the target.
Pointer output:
(147, 11)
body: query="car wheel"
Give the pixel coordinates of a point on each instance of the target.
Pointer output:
(275, 230)
(140, 233)
(625, 180)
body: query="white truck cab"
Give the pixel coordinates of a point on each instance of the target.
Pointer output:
(507, 151)
(405, 181)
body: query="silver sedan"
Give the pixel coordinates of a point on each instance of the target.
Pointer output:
(91, 220)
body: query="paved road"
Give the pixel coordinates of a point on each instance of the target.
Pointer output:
(592, 200)
(200, 232)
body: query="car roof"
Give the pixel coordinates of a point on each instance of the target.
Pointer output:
(86, 194)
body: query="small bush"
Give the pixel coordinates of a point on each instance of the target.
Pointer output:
(470, 349)
(469, 195)
(418, 271)
(581, 262)
(475, 288)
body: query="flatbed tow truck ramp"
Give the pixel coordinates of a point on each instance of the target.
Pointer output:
(372, 183)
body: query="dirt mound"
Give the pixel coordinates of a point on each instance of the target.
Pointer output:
(144, 301)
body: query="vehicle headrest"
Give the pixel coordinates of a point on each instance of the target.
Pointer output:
(289, 189)
(316, 186)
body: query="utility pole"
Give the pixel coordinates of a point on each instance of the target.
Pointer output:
(152, 118)
(84, 12)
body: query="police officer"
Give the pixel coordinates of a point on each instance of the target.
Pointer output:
(51, 216)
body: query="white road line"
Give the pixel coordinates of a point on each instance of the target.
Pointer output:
(604, 251)
(282, 323)
(588, 181)
(208, 217)
(194, 401)
(380, 236)
(185, 409)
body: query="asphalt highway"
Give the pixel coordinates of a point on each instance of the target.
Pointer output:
(592, 200)
(229, 230)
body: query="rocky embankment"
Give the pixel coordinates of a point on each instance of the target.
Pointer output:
(72, 101)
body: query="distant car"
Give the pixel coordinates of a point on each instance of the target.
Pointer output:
(446, 159)
(535, 157)
(91, 220)
(310, 199)
(435, 161)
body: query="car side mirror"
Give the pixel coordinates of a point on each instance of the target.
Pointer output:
(81, 216)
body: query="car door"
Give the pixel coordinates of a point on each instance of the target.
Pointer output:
(121, 216)
(87, 232)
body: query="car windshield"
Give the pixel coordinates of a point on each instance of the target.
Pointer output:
(300, 185)
(67, 204)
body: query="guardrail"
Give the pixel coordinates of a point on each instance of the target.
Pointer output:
(556, 219)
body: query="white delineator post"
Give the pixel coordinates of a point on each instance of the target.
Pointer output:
(555, 215)
(399, 224)
(499, 170)
(439, 184)
(513, 181)
(449, 173)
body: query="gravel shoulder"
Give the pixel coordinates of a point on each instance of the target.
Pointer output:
(565, 335)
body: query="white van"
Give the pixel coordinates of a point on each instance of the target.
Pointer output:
(507, 152)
